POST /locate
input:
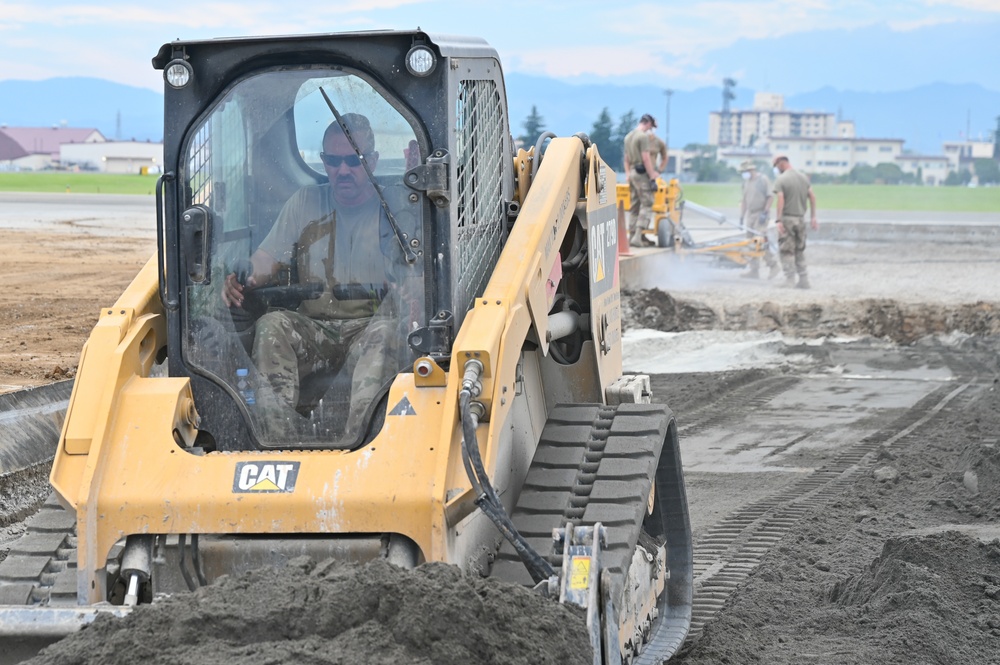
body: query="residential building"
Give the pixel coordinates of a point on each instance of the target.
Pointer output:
(962, 154)
(829, 155)
(933, 169)
(769, 118)
(819, 143)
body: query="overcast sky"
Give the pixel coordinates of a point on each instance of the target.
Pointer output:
(681, 44)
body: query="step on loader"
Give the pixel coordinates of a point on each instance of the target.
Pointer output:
(373, 328)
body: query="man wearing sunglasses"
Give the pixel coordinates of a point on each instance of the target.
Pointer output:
(333, 235)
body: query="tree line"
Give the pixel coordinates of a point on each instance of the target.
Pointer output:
(608, 135)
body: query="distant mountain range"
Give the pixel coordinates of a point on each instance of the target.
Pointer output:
(924, 116)
(119, 111)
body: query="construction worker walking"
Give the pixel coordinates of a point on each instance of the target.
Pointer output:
(793, 193)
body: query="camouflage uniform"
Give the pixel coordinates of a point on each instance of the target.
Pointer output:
(356, 327)
(641, 186)
(756, 192)
(792, 244)
(658, 152)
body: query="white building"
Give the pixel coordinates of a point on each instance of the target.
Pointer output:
(961, 154)
(768, 118)
(830, 155)
(932, 168)
(37, 148)
(113, 156)
(818, 143)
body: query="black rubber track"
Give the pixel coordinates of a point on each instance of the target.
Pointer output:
(596, 463)
(40, 568)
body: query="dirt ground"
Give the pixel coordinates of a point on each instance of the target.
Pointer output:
(54, 286)
(898, 570)
(336, 614)
(903, 567)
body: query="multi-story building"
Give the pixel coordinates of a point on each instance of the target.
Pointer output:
(962, 154)
(766, 119)
(818, 143)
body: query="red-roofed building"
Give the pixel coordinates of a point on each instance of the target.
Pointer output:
(35, 148)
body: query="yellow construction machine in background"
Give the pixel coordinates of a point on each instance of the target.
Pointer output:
(669, 231)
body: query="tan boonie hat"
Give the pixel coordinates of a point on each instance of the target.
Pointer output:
(747, 165)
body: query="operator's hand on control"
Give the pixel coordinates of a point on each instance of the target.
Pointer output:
(814, 223)
(232, 290)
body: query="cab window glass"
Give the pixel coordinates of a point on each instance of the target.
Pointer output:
(303, 304)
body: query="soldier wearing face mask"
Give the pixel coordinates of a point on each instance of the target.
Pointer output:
(755, 207)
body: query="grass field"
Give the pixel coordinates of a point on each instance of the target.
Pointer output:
(866, 197)
(828, 197)
(78, 183)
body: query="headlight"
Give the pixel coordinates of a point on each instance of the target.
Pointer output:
(420, 61)
(178, 73)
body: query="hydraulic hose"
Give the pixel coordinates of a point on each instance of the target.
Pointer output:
(487, 499)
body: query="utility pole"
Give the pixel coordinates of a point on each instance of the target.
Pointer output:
(725, 118)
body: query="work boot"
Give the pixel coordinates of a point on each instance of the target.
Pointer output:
(774, 271)
(803, 283)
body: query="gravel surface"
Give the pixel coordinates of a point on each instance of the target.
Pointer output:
(903, 568)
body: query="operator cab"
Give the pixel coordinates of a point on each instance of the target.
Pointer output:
(246, 126)
(254, 164)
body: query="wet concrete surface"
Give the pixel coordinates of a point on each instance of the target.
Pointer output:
(132, 216)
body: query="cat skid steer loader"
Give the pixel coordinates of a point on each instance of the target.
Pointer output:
(485, 422)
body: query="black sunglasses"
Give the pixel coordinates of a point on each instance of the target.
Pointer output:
(334, 161)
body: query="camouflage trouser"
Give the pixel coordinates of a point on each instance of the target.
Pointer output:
(756, 221)
(792, 247)
(289, 346)
(640, 212)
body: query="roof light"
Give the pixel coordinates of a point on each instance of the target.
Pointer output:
(420, 61)
(178, 73)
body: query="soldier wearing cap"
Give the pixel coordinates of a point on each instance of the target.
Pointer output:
(793, 192)
(642, 175)
(755, 207)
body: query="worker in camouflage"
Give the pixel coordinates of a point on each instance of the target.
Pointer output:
(658, 149)
(793, 193)
(642, 175)
(755, 208)
(333, 235)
